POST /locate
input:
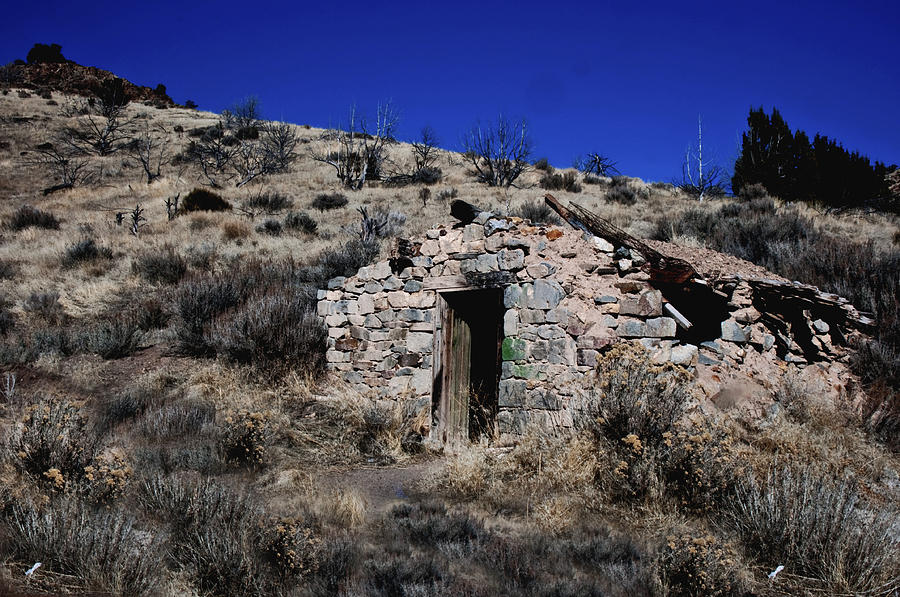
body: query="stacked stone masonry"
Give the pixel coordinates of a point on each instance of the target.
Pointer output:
(569, 296)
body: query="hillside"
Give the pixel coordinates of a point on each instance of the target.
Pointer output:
(169, 428)
(72, 78)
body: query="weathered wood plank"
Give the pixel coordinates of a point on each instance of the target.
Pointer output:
(445, 283)
(680, 319)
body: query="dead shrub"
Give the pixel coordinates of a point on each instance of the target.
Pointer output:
(634, 396)
(270, 227)
(278, 331)
(246, 436)
(753, 191)
(31, 217)
(817, 527)
(329, 201)
(202, 455)
(85, 251)
(214, 532)
(387, 432)
(235, 231)
(430, 523)
(111, 338)
(537, 212)
(204, 200)
(631, 417)
(700, 465)
(270, 202)
(164, 266)
(568, 181)
(105, 479)
(198, 301)
(53, 442)
(300, 221)
(467, 474)
(45, 305)
(188, 419)
(291, 547)
(621, 191)
(102, 548)
(110, 411)
(8, 270)
(693, 563)
(7, 320)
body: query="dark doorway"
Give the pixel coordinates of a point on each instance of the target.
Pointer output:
(702, 306)
(467, 367)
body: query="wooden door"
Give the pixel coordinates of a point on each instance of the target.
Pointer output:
(456, 362)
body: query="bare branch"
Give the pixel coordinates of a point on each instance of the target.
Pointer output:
(498, 154)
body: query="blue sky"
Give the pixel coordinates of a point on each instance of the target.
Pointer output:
(624, 79)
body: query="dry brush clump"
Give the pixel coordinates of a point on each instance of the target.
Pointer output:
(697, 563)
(52, 442)
(103, 548)
(818, 526)
(85, 251)
(204, 200)
(234, 314)
(28, 217)
(427, 540)
(160, 266)
(225, 542)
(300, 221)
(45, 306)
(537, 212)
(328, 201)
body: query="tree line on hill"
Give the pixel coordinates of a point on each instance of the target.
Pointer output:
(792, 167)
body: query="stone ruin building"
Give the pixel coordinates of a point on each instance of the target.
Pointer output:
(492, 321)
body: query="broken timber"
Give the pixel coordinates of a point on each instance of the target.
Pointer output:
(663, 269)
(776, 295)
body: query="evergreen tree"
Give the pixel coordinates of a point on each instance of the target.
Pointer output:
(45, 53)
(791, 167)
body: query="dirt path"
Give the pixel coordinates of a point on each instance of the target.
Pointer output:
(384, 486)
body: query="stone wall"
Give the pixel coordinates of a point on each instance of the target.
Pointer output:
(566, 296)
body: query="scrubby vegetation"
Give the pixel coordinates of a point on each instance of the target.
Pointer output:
(785, 241)
(537, 212)
(27, 216)
(204, 200)
(85, 251)
(567, 181)
(160, 266)
(168, 427)
(328, 201)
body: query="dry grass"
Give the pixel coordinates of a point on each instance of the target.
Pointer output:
(214, 444)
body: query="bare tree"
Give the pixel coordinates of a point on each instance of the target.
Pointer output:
(245, 114)
(66, 165)
(499, 153)
(359, 152)
(172, 207)
(425, 149)
(103, 128)
(700, 177)
(150, 148)
(280, 141)
(423, 168)
(250, 161)
(213, 153)
(595, 164)
(137, 218)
